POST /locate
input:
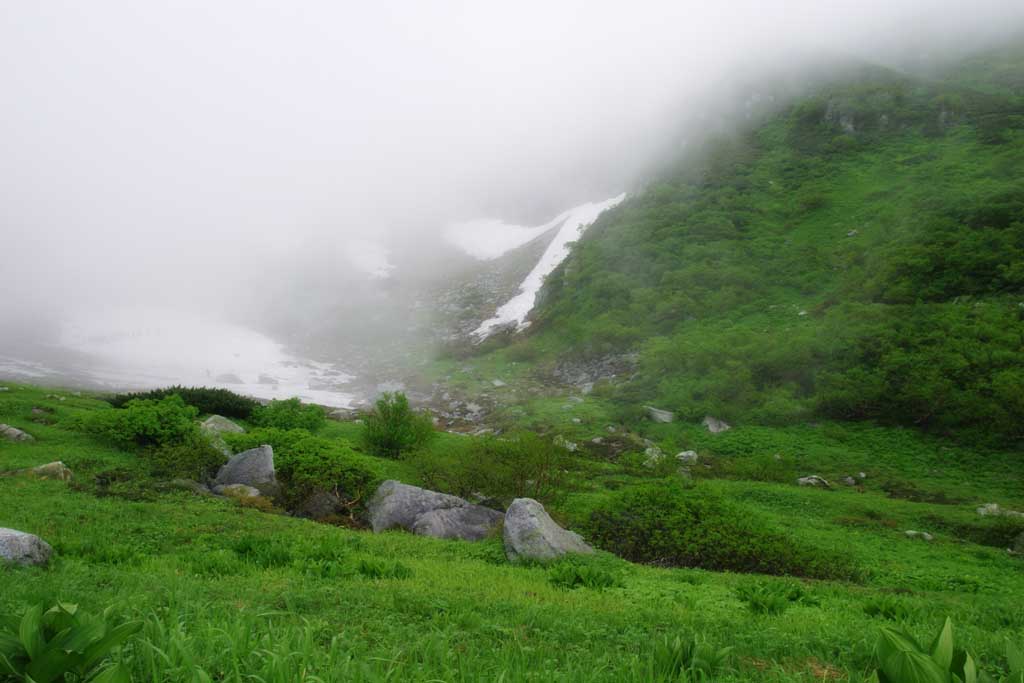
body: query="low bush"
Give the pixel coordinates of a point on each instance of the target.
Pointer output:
(683, 659)
(308, 464)
(516, 465)
(380, 569)
(575, 573)
(667, 523)
(393, 428)
(204, 399)
(289, 414)
(146, 422)
(772, 598)
(195, 458)
(889, 607)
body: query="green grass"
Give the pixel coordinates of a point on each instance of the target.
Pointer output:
(307, 605)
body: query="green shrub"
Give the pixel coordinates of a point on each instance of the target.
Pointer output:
(666, 523)
(262, 552)
(685, 659)
(764, 597)
(901, 658)
(393, 428)
(147, 422)
(204, 399)
(63, 644)
(195, 458)
(289, 414)
(307, 464)
(515, 465)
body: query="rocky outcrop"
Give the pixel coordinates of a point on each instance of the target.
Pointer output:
(714, 425)
(814, 480)
(469, 523)
(428, 513)
(14, 434)
(994, 510)
(51, 470)
(18, 547)
(687, 457)
(531, 534)
(658, 415)
(215, 424)
(254, 467)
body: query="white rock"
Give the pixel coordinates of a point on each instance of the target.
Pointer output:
(18, 547)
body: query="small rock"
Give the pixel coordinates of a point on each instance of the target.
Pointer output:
(52, 470)
(23, 549)
(236, 491)
(654, 455)
(715, 425)
(851, 233)
(862, 475)
(658, 415)
(577, 421)
(923, 535)
(254, 467)
(36, 410)
(687, 457)
(849, 481)
(993, 510)
(498, 383)
(15, 434)
(216, 424)
(531, 534)
(813, 480)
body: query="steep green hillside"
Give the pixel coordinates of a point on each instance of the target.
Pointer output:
(859, 255)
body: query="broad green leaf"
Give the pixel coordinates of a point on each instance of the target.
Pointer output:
(31, 631)
(7, 666)
(902, 664)
(95, 653)
(10, 646)
(51, 665)
(942, 646)
(1015, 657)
(970, 671)
(117, 673)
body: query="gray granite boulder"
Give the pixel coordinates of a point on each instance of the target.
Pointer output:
(469, 523)
(254, 467)
(14, 434)
(531, 534)
(51, 470)
(219, 425)
(714, 425)
(397, 506)
(18, 547)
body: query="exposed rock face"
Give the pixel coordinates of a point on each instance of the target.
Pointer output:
(658, 415)
(470, 523)
(531, 534)
(397, 505)
(814, 480)
(215, 424)
(14, 434)
(236, 491)
(715, 425)
(24, 549)
(254, 467)
(687, 457)
(923, 535)
(993, 510)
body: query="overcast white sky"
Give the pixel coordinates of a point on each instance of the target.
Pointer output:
(156, 149)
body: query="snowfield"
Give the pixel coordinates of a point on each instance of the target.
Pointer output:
(574, 222)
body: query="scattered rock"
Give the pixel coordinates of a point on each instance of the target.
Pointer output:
(236, 491)
(862, 475)
(23, 549)
(498, 383)
(36, 410)
(658, 415)
(852, 233)
(570, 446)
(15, 434)
(687, 457)
(321, 505)
(849, 481)
(254, 467)
(715, 425)
(469, 523)
(531, 534)
(52, 470)
(654, 455)
(397, 506)
(993, 510)
(577, 421)
(923, 535)
(814, 480)
(215, 424)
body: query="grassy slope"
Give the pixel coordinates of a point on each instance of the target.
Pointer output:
(465, 614)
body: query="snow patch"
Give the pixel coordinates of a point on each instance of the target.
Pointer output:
(488, 238)
(573, 222)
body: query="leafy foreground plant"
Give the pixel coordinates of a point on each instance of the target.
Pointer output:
(684, 659)
(901, 659)
(574, 574)
(62, 644)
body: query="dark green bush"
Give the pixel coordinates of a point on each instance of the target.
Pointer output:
(307, 464)
(516, 465)
(147, 422)
(195, 458)
(668, 524)
(289, 414)
(393, 428)
(204, 399)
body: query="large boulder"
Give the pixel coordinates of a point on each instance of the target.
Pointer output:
(531, 534)
(254, 467)
(18, 547)
(215, 424)
(397, 506)
(470, 523)
(714, 425)
(14, 434)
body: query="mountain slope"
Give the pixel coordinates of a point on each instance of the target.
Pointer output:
(859, 255)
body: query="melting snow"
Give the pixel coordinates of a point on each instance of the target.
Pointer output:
(573, 222)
